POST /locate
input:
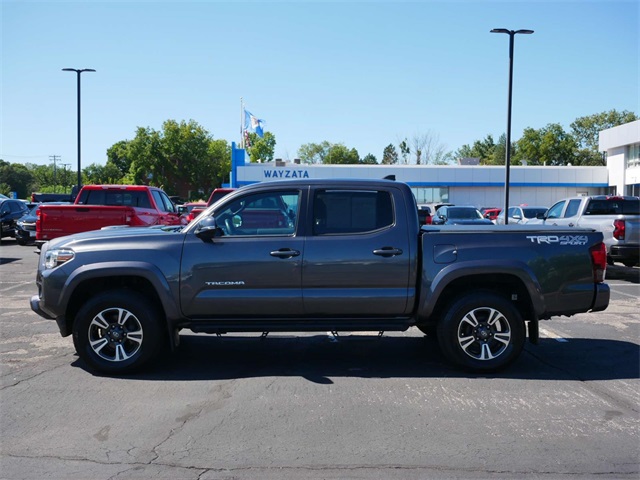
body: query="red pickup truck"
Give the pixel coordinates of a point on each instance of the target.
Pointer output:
(100, 206)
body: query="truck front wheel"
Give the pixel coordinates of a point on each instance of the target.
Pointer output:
(117, 332)
(481, 332)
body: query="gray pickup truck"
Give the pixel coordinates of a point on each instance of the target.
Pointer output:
(317, 255)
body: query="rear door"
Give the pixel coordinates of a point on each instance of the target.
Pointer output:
(357, 255)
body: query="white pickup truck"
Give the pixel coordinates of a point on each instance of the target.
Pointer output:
(617, 217)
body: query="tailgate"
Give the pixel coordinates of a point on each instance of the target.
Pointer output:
(64, 220)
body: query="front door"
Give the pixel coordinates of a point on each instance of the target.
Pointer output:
(254, 268)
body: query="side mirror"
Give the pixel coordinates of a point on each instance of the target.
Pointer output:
(541, 216)
(182, 209)
(208, 229)
(517, 217)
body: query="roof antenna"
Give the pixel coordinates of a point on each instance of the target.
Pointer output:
(390, 177)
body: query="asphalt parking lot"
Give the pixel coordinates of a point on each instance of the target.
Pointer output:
(321, 407)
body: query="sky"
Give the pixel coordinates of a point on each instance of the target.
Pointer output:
(365, 74)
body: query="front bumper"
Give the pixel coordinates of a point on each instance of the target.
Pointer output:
(61, 321)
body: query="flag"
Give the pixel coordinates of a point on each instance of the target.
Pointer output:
(253, 123)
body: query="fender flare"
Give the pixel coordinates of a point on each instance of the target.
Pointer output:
(431, 292)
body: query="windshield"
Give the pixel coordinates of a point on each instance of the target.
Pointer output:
(533, 212)
(464, 213)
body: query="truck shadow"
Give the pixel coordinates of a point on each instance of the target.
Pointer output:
(318, 359)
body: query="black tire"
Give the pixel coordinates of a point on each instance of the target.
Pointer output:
(481, 332)
(629, 264)
(117, 332)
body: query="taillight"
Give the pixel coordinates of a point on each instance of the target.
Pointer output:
(598, 261)
(619, 229)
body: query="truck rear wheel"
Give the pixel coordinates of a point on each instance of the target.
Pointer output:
(481, 331)
(117, 332)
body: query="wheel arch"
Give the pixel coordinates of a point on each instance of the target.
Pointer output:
(516, 283)
(145, 279)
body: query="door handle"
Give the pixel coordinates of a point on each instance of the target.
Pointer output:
(285, 253)
(571, 225)
(387, 251)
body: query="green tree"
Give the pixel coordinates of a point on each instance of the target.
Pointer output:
(483, 149)
(390, 155)
(183, 158)
(369, 159)
(549, 145)
(341, 155)
(108, 174)
(261, 149)
(314, 153)
(118, 156)
(586, 131)
(15, 177)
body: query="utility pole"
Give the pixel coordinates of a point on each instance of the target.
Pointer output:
(66, 178)
(54, 159)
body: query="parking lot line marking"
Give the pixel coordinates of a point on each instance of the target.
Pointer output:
(555, 336)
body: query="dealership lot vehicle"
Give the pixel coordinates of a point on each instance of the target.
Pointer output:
(26, 225)
(520, 215)
(617, 217)
(316, 255)
(459, 215)
(10, 211)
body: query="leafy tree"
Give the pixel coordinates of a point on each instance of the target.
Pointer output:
(15, 177)
(118, 156)
(328, 153)
(341, 155)
(483, 149)
(550, 145)
(104, 174)
(390, 155)
(369, 159)
(261, 148)
(183, 158)
(586, 131)
(313, 153)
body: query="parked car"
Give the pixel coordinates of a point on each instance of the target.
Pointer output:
(617, 217)
(26, 225)
(189, 211)
(98, 206)
(521, 214)
(459, 215)
(424, 214)
(216, 195)
(10, 211)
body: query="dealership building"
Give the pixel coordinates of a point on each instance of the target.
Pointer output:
(479, 185)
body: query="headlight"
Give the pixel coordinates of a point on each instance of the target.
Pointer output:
(55, 258)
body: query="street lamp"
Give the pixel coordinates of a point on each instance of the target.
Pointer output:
(511, 34)
(78, 71)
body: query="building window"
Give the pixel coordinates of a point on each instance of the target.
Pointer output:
(431, 194)
(633, 155)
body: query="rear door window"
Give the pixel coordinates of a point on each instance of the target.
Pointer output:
(348, 212)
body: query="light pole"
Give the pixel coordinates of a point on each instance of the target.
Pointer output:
(78, 72)
(511, 34)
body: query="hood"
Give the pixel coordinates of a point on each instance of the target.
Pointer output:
(116, 235)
